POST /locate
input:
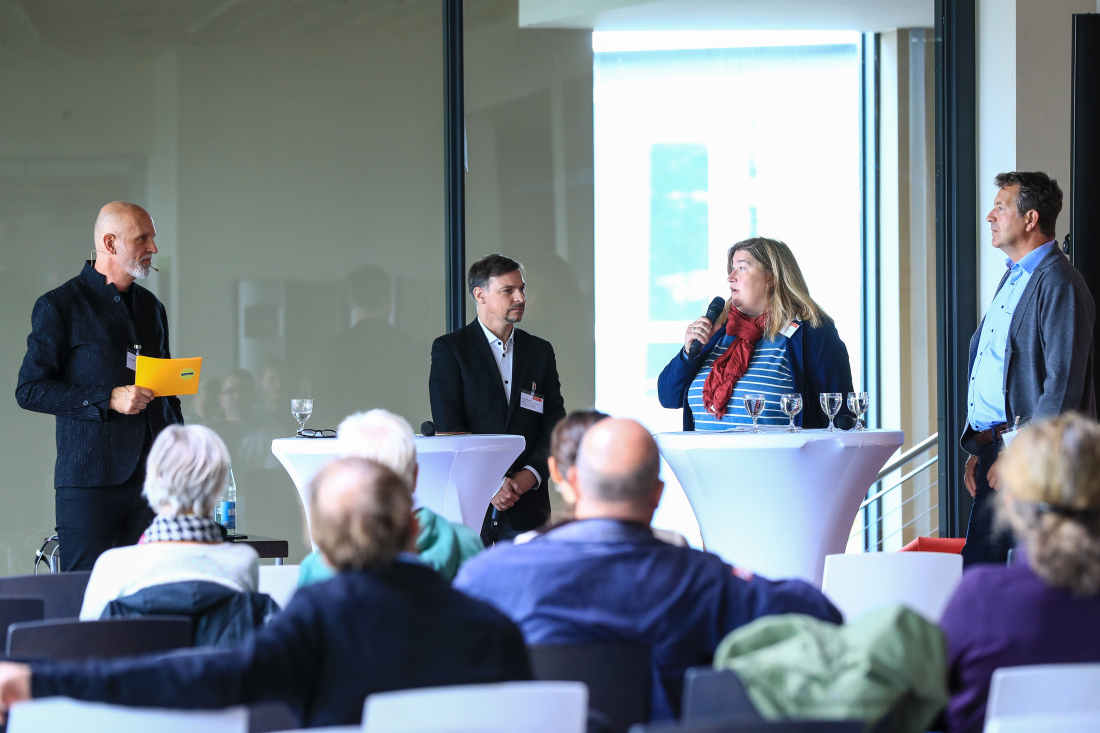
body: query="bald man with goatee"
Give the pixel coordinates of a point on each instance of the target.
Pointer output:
(606, 577)
(81, 355)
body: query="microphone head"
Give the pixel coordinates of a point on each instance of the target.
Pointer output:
(427, 428)
(715, 309)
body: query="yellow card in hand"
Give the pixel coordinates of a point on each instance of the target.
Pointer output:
(169, 376)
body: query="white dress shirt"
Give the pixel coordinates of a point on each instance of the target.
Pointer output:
(502, 352)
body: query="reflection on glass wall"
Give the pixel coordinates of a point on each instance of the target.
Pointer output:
(291, 157)
(529, 183)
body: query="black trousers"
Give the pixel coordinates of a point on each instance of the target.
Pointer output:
(92, 520)
(985, 543)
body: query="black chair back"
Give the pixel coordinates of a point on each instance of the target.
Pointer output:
(15, 609)
(63, 593)
(618, 676)
(711, 694)
(781, 726)
(69, 639)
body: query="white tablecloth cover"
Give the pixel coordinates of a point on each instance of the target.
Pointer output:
(458, 474)
(777, 503)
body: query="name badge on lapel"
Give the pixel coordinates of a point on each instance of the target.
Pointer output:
(131, 357)
(531, 400)
(790, 329)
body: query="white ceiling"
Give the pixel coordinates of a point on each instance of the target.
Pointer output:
(651, 15)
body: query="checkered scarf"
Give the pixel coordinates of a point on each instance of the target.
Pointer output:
(181, 529)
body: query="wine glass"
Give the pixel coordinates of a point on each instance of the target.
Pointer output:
(301, 409)
(791, 404)
(830, 403)
(754, 405)
(857, 403)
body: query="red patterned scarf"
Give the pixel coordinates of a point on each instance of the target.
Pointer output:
(732, 365)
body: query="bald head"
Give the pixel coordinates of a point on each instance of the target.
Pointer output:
(124, 239)
(618, 463)
(360, 513)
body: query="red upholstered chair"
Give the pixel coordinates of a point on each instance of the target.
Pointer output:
(953, 545)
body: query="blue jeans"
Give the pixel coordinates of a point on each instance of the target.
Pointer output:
(984, 543)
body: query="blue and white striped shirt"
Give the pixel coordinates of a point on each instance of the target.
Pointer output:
(768, 374)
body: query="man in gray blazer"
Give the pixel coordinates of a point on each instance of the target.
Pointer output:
(1031, 357)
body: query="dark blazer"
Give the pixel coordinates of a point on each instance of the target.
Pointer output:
(76, 354)
(393, 628)
(1049, 353)
(468, 397)
(818, 360)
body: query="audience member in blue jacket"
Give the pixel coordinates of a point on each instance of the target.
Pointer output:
(386, 622)
(605, 577)
(772, 339)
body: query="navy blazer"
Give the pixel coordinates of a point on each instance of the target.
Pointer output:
(818, 360)
(392, 628)
(76, 354)
(468, 397)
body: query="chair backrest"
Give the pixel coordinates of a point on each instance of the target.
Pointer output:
(715, 693)
(506, 707)
(59, 714)
(1044, 688)
(1051, 723)
(618, 677)
(117, 637)
(861, 582)
(63, 593)
(15, 609)
(280, 582)
(758, 726)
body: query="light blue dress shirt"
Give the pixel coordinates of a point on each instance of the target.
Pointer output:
(986, 398)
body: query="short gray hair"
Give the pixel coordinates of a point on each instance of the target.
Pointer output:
(186, 471)
(381, 436)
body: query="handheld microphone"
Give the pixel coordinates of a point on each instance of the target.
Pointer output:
(427, 428)
(712, 314)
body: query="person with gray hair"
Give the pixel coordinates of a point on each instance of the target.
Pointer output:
(606, 576)
(387, 438)
(185, 474)
(385, 622)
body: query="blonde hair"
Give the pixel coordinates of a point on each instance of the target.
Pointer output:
(789, 298)
(1052, 485)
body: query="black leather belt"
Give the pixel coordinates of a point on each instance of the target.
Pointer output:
(991, 435)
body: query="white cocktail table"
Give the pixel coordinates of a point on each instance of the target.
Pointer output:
(777, 503)
(458, 474)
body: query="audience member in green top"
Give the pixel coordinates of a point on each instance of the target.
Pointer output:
(388, 439)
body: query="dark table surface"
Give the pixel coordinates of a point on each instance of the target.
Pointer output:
(264, 546)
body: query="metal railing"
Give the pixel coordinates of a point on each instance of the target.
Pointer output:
(872, 510)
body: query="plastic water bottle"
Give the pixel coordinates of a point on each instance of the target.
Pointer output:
(229, 506)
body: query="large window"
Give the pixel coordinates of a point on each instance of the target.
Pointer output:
(701, 140)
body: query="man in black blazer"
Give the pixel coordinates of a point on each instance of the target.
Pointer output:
(492, 378)
(79, 367)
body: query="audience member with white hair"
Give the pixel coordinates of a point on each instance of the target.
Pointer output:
(387, 438)
(606, 577)
(385, 622)
(185, 474)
